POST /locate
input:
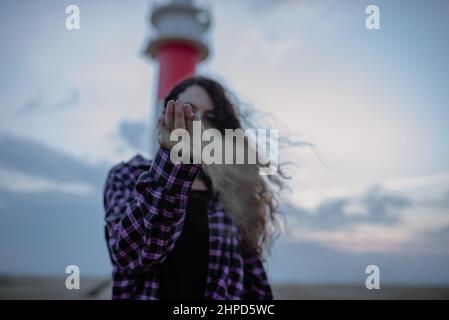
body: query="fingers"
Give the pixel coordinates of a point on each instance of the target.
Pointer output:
(169, 114)
(178, 115)
(196, 117)
(179, 122)
(161, 120)
(189, 117)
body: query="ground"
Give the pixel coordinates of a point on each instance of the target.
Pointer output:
(13, 287)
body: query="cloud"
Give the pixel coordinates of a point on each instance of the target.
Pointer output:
(51, 211)
(380, 219)
(39, 104)
(435, 241)
(134, 133)
(31, 106)
(33, 158)
(378, 206)
(19, 182)
(375, 206)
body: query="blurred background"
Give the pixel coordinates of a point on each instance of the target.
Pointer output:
(374, 189)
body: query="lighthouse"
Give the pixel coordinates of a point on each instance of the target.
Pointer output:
(178, 43)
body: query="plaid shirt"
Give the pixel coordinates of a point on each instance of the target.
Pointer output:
(145, 204)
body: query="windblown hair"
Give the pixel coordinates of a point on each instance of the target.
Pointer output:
(251, 199)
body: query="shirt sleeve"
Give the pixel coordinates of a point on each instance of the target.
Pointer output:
(145, 215)
(256, 285)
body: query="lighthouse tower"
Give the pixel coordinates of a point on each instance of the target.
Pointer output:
(178, 43)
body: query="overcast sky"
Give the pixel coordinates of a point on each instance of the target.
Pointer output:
(373, 190)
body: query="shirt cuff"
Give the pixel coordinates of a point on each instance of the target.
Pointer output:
(172, 177)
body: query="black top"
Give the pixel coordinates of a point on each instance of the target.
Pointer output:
(184, 271)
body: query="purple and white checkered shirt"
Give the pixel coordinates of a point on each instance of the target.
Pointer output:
(145, 204)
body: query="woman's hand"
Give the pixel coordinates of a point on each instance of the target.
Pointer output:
(176, 116)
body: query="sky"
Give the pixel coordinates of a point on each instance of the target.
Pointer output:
(372, 189)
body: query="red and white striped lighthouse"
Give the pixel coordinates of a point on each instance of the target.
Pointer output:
(178, 44)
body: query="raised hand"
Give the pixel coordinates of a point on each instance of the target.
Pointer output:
(177, 115)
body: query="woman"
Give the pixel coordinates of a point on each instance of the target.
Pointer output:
(190, 231)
